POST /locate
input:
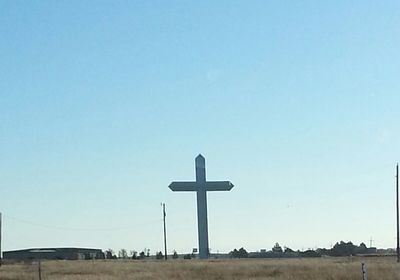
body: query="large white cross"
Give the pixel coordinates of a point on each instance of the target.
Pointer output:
(201, 186)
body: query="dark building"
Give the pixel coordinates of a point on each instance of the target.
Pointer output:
(54, 254)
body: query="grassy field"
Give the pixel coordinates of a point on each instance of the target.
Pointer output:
(281, 269)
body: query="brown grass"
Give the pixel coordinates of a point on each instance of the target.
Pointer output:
(383, 268)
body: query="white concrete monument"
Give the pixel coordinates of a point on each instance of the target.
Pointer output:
(201, 186)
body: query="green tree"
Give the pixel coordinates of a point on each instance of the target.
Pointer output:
(175, 255)
(133, 255)
(241, 253)
(277, 248)
(142, 255)
(123, 254)
(110, 254)
(234, 253)
(288, 250)
(362, 249)
(343, 249)
(159, 255)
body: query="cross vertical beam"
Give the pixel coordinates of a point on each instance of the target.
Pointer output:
(202, 223)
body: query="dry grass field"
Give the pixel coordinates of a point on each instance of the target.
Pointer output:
(281, 269)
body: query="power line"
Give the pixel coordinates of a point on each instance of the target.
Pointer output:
(23, 221)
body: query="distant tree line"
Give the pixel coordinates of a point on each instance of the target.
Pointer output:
(340, 249)
(123, 254)
(240, 254)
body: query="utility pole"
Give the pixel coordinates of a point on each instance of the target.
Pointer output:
(397, 211)
(165, 233)
(1, 254)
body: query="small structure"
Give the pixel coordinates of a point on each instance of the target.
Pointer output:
(54, 254)
(372, 250)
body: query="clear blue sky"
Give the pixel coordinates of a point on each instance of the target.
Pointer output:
(104, 103)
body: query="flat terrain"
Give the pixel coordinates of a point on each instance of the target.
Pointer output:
(384, 268)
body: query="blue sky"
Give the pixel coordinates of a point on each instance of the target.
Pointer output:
(104, 103)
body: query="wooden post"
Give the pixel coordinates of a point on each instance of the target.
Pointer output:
(40, 270)
(364, 271)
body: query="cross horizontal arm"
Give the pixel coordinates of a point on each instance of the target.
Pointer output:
(218, 186)
(209, 186)
(183, 186)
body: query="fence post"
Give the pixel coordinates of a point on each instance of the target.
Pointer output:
(364, 271)
(40, 270)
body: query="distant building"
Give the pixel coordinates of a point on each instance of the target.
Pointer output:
(372, 250)
(54, 254)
